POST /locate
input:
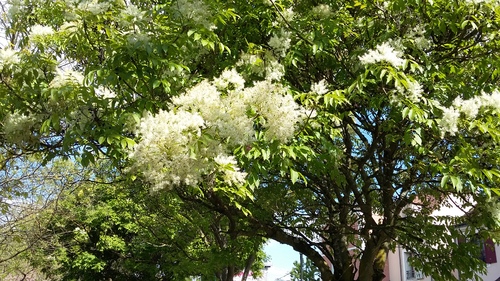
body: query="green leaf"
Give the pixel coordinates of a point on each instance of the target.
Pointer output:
(294, 175)
(156, 83)
(405, 112)
(496, 190)
(457, 183)
(444, 180)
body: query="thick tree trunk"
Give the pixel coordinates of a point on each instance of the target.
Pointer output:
(342, 260)
(373, 261)
(230, 273)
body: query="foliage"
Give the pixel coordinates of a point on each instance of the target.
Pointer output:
(28, 188)
(324, 125)
(105, 230)
(308, 272)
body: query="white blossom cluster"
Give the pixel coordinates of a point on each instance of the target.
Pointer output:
(469, 108)
(320, 87)
(17, 128)
(224, 116)
(195, 10)
(138, 39)
(8, 57)
(288, 14)
(417, 36)
(80, 235)
(383, 52)
(104, 93)
(79, 117)
(449, 121)
(132, 13)
(413, 92)
(230, 79)
(15, 8)
(193, 138)
(322, 11)
(280, 43)
(264, 65)
(280, 111)
(274, 70)
(94, 7)
(228, 166)
(165, 152)
(66, 78)
(40, 31)
(475, 1)
(491, 100)
(69, 27)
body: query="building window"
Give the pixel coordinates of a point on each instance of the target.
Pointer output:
(487, 248)
(411, 273)
(488, 254)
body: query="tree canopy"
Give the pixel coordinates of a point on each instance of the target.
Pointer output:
(324, 125)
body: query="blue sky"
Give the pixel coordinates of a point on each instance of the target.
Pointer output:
(281, 258)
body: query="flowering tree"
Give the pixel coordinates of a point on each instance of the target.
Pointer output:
(325, 125)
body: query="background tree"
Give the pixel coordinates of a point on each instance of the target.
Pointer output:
(110, 230)
(308, 272)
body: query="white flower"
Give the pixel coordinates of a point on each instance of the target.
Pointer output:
(230, 78)
(280, 111)
(39, 31)
(225, 116)
(248, 59)
(274, 70)
(288, 14)
(190, 142)
(280, 43)
(383, 52)
(225, 160)
(94, 7)
(471, 107)
(66, 77)
(138, 39)
(320, 88)
(8, 57)
(203, 98)
(475, 1)
(491, 100)
(449, 121)
(104, 93)
(322, 11)
(415, 91)
(70, 27)
(133, 13)
(164, 152)
(417, 35)
(17, 128)
(228, 166)
(195, 10)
